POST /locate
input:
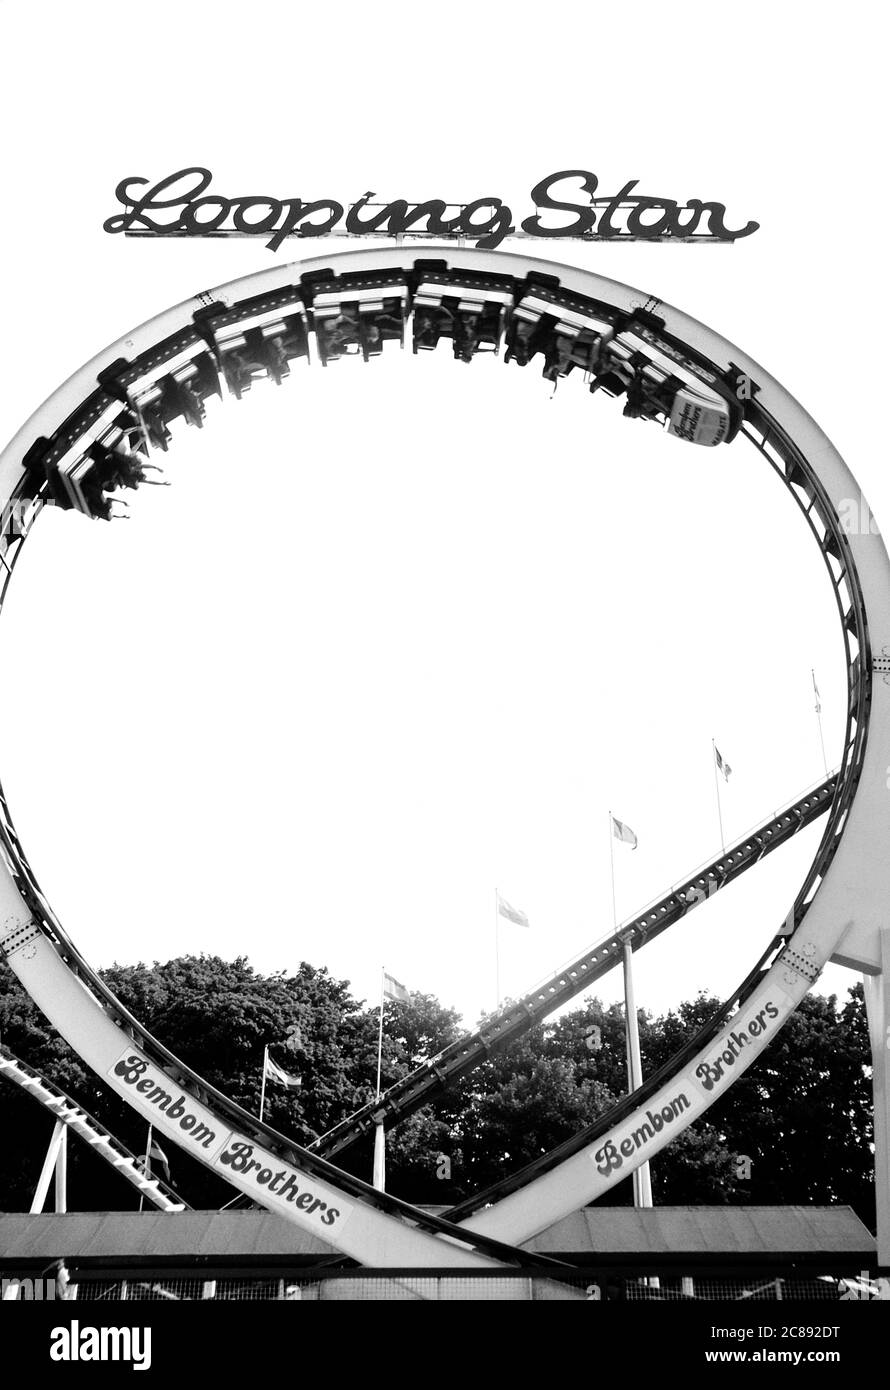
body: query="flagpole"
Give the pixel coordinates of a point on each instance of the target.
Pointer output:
(642, 1181)
(380, 1030)
(263, 1086)
(819, 720)
(612, 868)
(497, 950)
(378, 1174)
(717, 788)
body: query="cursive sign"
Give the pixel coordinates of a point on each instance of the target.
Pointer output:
(181, 205)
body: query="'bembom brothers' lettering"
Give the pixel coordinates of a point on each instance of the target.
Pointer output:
(711, 1072)
(613, 1153)
(284, 1183)
(156, 1091)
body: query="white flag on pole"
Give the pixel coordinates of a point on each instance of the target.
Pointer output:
(158, 1158)
(392, 989)
(624, 833)
(722, 765)
(816, 693)
(512, 914)
(276, 1073)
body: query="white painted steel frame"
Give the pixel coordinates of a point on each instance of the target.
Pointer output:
(844, 918)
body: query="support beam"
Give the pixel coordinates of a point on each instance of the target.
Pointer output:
(62, 1172)
(641, 1179)
(877, 1000)
(49, 1165)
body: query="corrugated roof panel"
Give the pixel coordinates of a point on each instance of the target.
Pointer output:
(154, 1235)
(248, 1236)
(707, 1231)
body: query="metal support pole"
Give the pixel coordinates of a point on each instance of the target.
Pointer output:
(379, 1179)
(877, 1001)
(263, 1083)
(641, 1178)
(62, 1172)
(717, 789)
(380, 1028)
(497, 951)
(818, 709)
(46, 1172)
(378, 1172)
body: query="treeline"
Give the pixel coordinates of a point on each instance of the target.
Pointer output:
(795, 1128)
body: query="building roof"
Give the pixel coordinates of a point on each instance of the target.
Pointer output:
(594, 1236)
(154, 1235)
(724, 1231)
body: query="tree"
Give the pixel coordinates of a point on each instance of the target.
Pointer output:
(803, 1112)
(552, 1083)
(809, 1093)
(217, 1017)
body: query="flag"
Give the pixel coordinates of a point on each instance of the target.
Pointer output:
(276, 1073)
(623, 832)
(721, 765)
(157, 1157)
(816, 693)
(512, 914)
(392, 989)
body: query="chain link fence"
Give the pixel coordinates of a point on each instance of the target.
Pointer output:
(359, 1285)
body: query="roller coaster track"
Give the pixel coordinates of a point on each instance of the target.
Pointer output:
(462, 1056)
(837, 912)
(80, 1121)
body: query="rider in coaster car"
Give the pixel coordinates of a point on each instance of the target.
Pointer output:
(430, 324)
(426, 331)
(92, 488)
(115, 470)
(191, 403)
(155, 426)
(466, 337)
(276, 359)
(520, 344)
(239, 372)
(558, 357)
(338, 333)
(112, 471)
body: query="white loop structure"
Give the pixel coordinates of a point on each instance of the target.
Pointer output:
(671, 367)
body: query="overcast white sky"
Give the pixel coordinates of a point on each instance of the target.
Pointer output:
(403, 633)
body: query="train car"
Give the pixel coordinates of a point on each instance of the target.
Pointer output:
(358, 314)
(92, 456)
(470, 310)
(260, 338)
(662, 383)
(569, 332)
(170, 381)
